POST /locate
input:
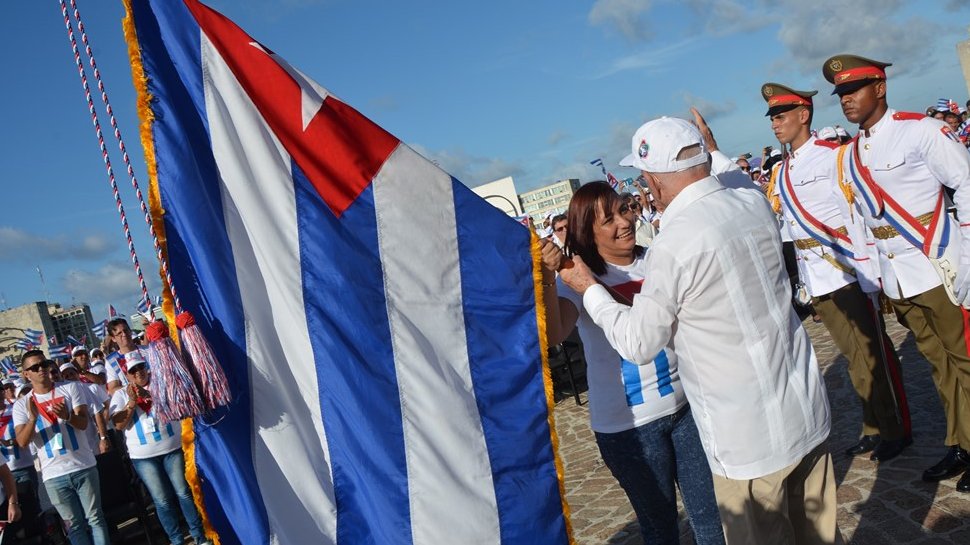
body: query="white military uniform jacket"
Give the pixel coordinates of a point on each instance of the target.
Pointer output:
(909, 156)
(812, 169)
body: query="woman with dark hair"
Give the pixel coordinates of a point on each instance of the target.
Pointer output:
(642, 423)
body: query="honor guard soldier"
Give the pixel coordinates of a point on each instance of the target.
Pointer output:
(831, 276)
(897, 168)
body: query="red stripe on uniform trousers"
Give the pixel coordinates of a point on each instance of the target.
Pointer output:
(340, 151)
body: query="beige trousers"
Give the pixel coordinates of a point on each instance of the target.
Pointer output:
(793, 506)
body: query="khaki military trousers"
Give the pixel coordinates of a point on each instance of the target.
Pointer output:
(793, 506)
(940, 330)
(848, 315)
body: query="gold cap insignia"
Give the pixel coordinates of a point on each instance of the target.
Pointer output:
(767, 90)
(836, 65)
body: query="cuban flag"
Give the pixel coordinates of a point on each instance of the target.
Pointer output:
(8, 366)
(112, 313)
(145, 307)
(34, 335)
(24, 344)
(388, 376)
(59, 351)
(100, 329)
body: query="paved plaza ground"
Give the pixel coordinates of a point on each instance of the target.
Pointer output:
(878, 503)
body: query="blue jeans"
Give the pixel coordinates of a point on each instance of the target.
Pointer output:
(648, 460)
(164, 477)
(77, 497)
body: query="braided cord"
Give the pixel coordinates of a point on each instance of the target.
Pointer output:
(104, 155)
(121, 146)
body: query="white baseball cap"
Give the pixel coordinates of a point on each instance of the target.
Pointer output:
(841, 132)
(827, 132)
(67, 366)
(656, 144)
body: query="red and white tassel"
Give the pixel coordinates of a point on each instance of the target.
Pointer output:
(197, 352)
(174, 395)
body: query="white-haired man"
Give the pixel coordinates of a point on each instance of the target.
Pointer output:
(718, 297)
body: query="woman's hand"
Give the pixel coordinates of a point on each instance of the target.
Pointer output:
(551, 259)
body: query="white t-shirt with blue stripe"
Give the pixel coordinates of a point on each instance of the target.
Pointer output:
(60, 448)
(623, 395)
(145, 437)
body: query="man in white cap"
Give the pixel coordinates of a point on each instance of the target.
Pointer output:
(82, 362)
(718, 298)
(156, 453)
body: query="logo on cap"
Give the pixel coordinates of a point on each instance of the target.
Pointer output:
(836, 65)
(767, 90)
(643, 149)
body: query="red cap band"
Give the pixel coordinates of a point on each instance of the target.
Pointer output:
(853, 74)
(788, 99)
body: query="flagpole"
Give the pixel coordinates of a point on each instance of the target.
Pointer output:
(43, 284)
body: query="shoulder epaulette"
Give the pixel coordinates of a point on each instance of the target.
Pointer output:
(826, 143)
(908, 116)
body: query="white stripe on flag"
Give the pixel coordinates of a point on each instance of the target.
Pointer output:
(449, 475)
(290, 451)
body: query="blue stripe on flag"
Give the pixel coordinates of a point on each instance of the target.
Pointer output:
(503, 353)
(632, 383)
(191, 194)
(355, 367)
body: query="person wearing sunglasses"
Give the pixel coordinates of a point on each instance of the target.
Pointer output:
(53, 418)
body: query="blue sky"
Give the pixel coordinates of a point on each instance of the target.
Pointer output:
(534, 90)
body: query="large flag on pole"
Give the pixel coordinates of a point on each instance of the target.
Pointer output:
(387, 361)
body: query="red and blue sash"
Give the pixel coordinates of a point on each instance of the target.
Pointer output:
(932, 239)
(825, 235)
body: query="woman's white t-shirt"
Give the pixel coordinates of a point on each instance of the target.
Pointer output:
(623, 395)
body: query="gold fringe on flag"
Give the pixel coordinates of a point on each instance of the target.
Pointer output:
(147, 117)
(547, 377)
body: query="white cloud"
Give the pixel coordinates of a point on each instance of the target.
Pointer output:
(628, 16)
(650, 60)
(557, 137)
(21, 246)
(814, 32)
(472, 170)
(710, 110)
(111, 283)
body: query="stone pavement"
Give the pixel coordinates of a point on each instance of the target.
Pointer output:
(878, 504)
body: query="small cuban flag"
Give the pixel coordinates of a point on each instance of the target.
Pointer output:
(34, 335)
(60, 351)
(100, 329)
(8, 366)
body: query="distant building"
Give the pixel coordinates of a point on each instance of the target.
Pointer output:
(553, 198)
(75, 321)
(15, 320)
(501, 194)
(50, 319)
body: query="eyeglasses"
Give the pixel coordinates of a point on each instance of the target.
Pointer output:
(39, 366)
(745, 169)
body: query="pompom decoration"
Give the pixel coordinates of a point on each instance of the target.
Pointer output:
(197, 352)
(173, 391)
